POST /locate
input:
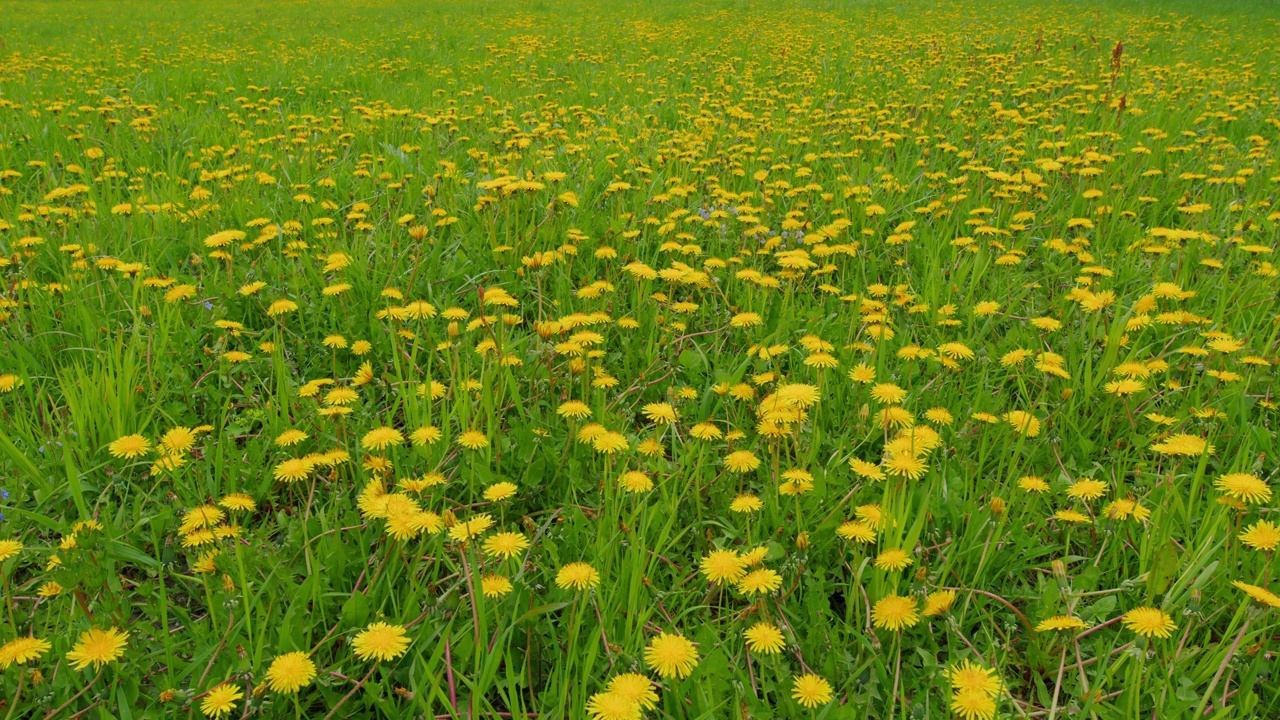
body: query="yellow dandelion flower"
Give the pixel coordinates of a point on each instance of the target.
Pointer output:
(221, 700)
(381, 641)
(894, 612)
(765, 638)
(671, 655)
(811, 691)
(1150, 622)
(290, 672)
(97, 648)
(129, 447)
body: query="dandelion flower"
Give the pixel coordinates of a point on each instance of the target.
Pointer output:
(577, 576)
(1244, 487)
(906, 465)
(97, 648)
(281, 307)
(610, 442)
(22, 650)
(1033, 483)
(969, 676)
(473, 440)
(741, 461)
(660, 413)
(290, 672)
(1087, 489)
(611, 706)
(1183, 444)
(870, 471)
(178, 440)
(238, 501)
(380, 438)
(973, 705)
(505, 544)
(811, 691)
(894, 612)
(1071, 516)
(1061, 622)
(1262, 595)
(500, 491)
(938, 603)
(494, 586)
(893, 559)
(635, 481)
(474, 527)
(760, 581)
(1023, 422)
(722, 566)
(9, 548)
(380, 641)
(291, 437)
(1262, 535)
(746, 504)
(636, 688)
(765, 638)
(1124, 387)
(888, 394)
(573, 409)
(856, 531)
(671, 656)
(129, 447)
(428, 435)
(294, 469)
(1149, 622)
(221, 700)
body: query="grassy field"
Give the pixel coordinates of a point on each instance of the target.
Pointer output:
(737, 359)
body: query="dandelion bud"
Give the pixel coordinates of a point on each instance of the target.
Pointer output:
(453, 330)
(998, 506)
(864, 411)
(802, 540)
(1059, 569)
(227, 583)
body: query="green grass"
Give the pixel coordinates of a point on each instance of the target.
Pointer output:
(861, 176)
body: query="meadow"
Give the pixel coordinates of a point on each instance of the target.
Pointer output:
(619, 360)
